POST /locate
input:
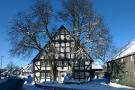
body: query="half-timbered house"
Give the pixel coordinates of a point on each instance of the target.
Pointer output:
(60, 52)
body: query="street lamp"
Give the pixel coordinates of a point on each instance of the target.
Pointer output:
(1, 67)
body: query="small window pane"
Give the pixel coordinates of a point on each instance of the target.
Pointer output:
(56, 56)
(62, 37)
(68, 55)
(62, 49)
(42, 63)
(72, 56)
(57, 37)
(76, 74)
(42, 75)
(65, 63)
(62, 55)
(67, 44)
(72, 44)
(59, 63)
(56, 44)
(63, 44)
(67, 37)
(47, 74)
(81, 74)
(67, 49)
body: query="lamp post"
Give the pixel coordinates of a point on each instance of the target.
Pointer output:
(1, 67)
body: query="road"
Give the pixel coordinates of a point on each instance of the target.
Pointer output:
(12, 84)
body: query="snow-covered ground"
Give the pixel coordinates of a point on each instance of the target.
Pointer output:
(94, 85)
(119, 86)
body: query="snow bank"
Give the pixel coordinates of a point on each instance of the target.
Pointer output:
(119, 86)
(94, 85)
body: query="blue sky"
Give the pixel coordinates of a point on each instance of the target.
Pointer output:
(119, 17)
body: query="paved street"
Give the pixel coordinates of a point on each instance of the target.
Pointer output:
(12, 84)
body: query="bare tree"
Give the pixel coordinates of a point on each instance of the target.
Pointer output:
(87, 27)
(12, 68)
(29, 29)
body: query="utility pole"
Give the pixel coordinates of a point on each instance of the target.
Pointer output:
(1, 67)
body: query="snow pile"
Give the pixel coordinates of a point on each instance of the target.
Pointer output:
(126, 50)
(98, 84)
(94, 85)
(119, 86)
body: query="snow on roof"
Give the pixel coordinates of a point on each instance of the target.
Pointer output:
(126, 50)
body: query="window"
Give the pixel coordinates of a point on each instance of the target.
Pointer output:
(62, 55)
(122, 60)
(62, 49)
(81, 74)
(81, 62)
(59, 63)
(76, 74)
(72, 44)
(67, 37)
(67, 49)
(57, 49)
(42, 75)
(57, 37)
(56, 44)
(68, 55)
(46, 63)
(67, 44)
(63, 44)
(56, 56)
(72, 56)
(65, 63)
(47, 74)
(132, 59)
(42, 63)
(62, 37)
(76, 63)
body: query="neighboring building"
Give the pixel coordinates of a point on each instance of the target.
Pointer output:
(97, 70)
(11, 72)
(27, 71)
(65, 60)
(122, 66)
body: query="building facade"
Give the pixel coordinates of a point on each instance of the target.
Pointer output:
(122, 67)
(61, 57)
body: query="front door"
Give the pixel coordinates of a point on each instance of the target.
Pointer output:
(61, 76)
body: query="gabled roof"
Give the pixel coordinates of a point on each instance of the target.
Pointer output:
(59, 30)
(126, 50)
